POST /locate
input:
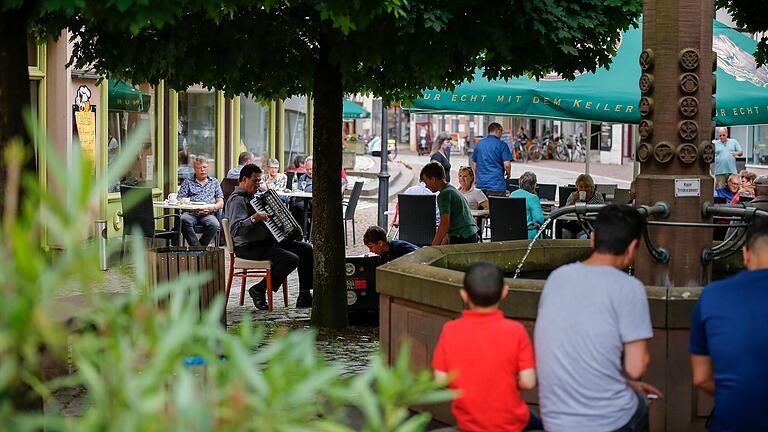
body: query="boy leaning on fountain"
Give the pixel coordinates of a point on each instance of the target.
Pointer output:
(456, 221)
(489, 358)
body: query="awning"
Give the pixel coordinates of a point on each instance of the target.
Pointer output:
(353, 111)
(612, 95)
(125, 97)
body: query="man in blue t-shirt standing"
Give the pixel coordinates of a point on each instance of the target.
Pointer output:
(729, 340)
(492, 162)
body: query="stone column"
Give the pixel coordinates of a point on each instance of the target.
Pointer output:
(676, 105)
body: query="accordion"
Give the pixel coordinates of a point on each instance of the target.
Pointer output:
(281, 223)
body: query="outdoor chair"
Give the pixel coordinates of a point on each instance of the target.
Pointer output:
(199, 228)
(245, 268)
(138, 215)
(546, 191)
(228, 186)
(349, 211)
(563, 193)
(513, 184)
(621, 196)
(417, 218)
(508, 218)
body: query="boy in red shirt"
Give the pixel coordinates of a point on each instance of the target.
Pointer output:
(488, 357)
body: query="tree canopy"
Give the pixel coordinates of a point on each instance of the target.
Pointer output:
(324, 48)
(750, 16)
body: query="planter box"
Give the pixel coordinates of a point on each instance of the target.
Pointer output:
(167, 264)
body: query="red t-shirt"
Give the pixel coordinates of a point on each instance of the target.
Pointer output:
(485, 351)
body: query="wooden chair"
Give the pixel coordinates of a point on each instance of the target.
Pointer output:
(245, 268)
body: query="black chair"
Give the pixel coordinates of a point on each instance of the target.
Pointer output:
(546, 191)
(563, 193)
(139, 217)
(512, 184)
(508, 218)
(351, 206)
(289, 183)
(228, 186)
(417, 218)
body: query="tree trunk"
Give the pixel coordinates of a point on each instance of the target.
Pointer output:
(14, 86)
(329, 308)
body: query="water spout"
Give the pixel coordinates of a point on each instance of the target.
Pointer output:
(530, 247)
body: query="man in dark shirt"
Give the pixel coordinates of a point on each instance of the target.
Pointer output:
(253, 241)
(376, 240)
(729, 340)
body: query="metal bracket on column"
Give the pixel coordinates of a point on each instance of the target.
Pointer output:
(659, 254)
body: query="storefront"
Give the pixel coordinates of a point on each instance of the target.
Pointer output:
(81, 113)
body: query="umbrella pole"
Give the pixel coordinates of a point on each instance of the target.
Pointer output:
(588, 146)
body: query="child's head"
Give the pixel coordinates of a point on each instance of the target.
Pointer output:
(375, 239)
(483, 285)
(433, 175)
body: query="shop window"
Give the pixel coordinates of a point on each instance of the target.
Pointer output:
(196, 129)
(758, 153)
(295, 138)
(131, 117)
(254, 129)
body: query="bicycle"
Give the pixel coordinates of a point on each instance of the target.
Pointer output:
(535, 152)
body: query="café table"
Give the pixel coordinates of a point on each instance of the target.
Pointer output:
(192, 206)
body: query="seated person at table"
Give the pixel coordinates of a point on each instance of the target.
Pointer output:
(299, 165)
(474, 196)
(533, 214)
(253, 241)
(205, 189)
(274, 179)
(585, 192)
(244, 159)
(488, 357)
(456, 221)
(730, 189)
(302, 207)
(747, 187)
(376, 240)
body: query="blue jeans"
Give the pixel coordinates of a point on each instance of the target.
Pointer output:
(639, 420)
(210, 227)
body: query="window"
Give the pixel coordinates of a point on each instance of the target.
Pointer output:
(254, 128)
(294, 128)
(132, 116)
(757, 152)
(196, 132)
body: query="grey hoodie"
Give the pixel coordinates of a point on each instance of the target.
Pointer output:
(239, 210)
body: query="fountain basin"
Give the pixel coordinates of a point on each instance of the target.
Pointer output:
(420, 292)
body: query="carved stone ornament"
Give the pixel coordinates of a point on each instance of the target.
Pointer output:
(689, 106)
(646, 83)
(688, 130)
(687, 153)
(707, 150)
(663, 152)
(714, 83)
(646, 60)
(689, 58)
(646, 106)
(645, 129)
(643, 152)
(689, 82)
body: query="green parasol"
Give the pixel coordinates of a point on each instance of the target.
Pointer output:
(612, 95)
(125, 97)
(352, 111)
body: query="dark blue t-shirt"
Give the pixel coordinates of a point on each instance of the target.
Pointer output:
(490, 155)
(397, 248)
(730, 324)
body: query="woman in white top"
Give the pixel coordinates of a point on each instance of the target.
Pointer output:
(274, 179)
(475, 197)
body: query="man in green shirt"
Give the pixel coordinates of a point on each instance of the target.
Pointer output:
(456, 221)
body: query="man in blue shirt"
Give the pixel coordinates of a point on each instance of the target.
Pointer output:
(726, 152)
(205, 189)
(729, 340)
(492, 162)
(376, 240)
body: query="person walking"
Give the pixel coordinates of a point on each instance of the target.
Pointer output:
(441, 152)
(726, 152)
(492, 162)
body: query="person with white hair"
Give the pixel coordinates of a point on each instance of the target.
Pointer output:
(726, 152)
